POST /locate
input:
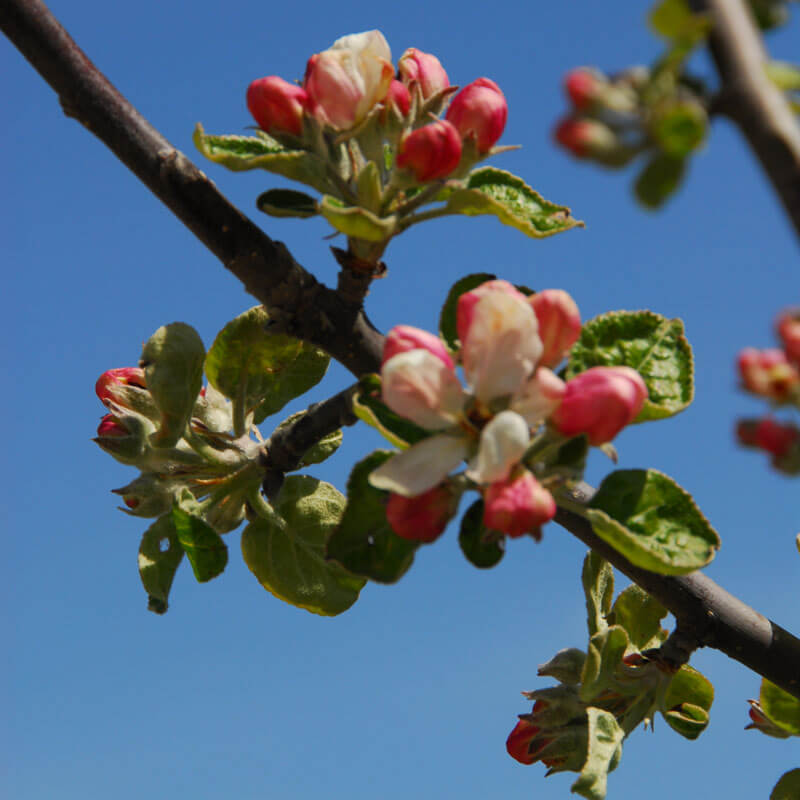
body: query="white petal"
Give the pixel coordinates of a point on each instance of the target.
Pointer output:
(503, 442)
(422, 466)
(421, 387)
(539, 397)
(372, 42)
(502, 345)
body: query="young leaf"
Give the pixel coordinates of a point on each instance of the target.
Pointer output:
(679, 127)
(286, 553)
(447, 318)
(356, 222)
(640, 615)
(784, 75)
(652, 345)
(323, 449)
(598, 586)
(240, 153)
(483, 548)
(788, 787)
(173, 367)
(781, 707)
(653, 522)
(160, 555)
(494, 191)
(368, 407)
(287, 203)
(204, 548)
(687, 701)
(364, 542)
(261, 371)
(661, 176)
(606, 649)
(604, 752)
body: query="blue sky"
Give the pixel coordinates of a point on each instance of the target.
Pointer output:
(414, 690)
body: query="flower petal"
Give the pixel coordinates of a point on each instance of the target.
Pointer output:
(502, 345)
(503, 442)
(422, 466)
(419, 386)
(539, 397)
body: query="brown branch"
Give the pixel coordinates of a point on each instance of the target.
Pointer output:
(751, 101)
(294, 298)
(704, 611)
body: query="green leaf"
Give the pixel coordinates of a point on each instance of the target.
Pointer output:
(652, 345)
(640, 615)
(687, 701)
(606, 649)
(173, 368)
(239, 153)
(368, 407)
(356, 222)
(660, 177)
(364, 542)
(261, 371)
(160, 555)
(788, 787)
(605, 749)
(673, 19)
(287, 552)
(598, 585)
(781, 707)
(653, 522)
(566, 666)
(287, 203)
(784, 75)
(323, 449)
(447, 319)
(494, 191)
(679, 127)
(482, 547)
(204, 548)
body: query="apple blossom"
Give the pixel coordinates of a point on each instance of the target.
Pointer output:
(346, 81)
(600, 402)
(430, 152)
(277, 105)
(425, 70)
(585, 138)
(398, 97)
(584, 87)
(559, 323)
(479, 111)
(109, 384)
(405, 337)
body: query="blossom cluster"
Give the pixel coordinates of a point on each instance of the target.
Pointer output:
(513, 407)
(774, 374)
(354, 83)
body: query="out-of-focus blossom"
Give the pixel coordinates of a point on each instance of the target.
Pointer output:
(584, 87)
(788, 328)
(768, 373)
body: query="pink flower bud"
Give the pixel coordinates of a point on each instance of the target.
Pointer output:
(422, 518)
(399, 98)
(584, 87)
(768, 373)
(402, 338)
(559, 323)
(774, 437)
(108, 383)
(520, 740)
(788, 328)
(518, 505)
(465, 310)
(430, 152)
(585, 138)
(110, 426)
(479, 110)
(600, 402)
(276, 105)
(424, 69)
(346, 81)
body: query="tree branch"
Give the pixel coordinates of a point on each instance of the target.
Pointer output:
(751, 101)
(294, 298)
(704, 611)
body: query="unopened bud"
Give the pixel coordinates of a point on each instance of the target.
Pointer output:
(518, 505)
(422, 518)
(788, 329)
(559, 323)
(768, 373)
(585, 87)
(398, 98)
(430, 152)
(586, 138)
(277, 105)
(402, 338)
(425, 70)
(479, 111)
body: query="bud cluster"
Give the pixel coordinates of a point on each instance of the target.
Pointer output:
(510, 421)
(354, 108)
(217, 469)
(774, 374)
(615, 118)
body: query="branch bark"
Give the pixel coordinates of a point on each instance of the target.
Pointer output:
(751, 101)
(294, 298)
(318, 314)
